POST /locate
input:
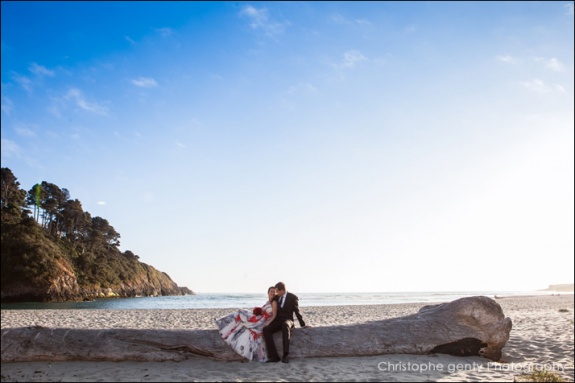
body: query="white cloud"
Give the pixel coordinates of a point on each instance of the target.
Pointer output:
(541, 86)
(560, 88)
(180, 145)
(410, 28)
(129, 40)
(40, 70)
(362, 22)
(569, 8)
(7, 105)
(77, 96)
(506, 59)
(25, 132)
(216, 77)
(10, 149)
(339, 19)
(555, 65)
(55, 107)
(260, 20)
(552, 63)
(24, 82)
(165, 32)
(145, 82)
(537, 86)
(101, 202)
(302, 87)
(295, 94)
(351, 58)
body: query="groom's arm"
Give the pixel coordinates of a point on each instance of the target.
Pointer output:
(296, 311)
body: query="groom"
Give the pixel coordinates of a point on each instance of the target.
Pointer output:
(288, 304)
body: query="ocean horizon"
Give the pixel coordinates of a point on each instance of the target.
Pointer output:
(249, 300)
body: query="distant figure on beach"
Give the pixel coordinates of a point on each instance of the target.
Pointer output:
(288, 305)
(242, 329)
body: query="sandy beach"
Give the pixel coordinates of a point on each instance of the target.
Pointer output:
(541, 339)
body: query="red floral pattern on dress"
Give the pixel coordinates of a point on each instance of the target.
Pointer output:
(243, 331)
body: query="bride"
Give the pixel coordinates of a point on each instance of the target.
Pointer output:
(243, 329)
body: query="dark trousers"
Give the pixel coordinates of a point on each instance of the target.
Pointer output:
(285, 325)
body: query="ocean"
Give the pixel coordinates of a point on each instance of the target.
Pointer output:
(238, 300)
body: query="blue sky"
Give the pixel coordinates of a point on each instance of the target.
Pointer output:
(336, 146)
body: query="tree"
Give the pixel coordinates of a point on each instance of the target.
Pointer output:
(34, 198)
(10, 189)
(102, 231)
(12, 198)
(48, 201)
(71, 223)
(45, 255)
(53, 203)
(130, 255)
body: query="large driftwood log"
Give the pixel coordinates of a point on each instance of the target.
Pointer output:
(467, 326)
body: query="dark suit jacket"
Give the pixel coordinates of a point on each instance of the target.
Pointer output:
(291, 306)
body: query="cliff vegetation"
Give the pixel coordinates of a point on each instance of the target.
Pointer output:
(54, 251)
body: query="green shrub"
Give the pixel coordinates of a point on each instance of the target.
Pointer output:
(541, 376)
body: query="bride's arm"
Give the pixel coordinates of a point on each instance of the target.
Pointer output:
(274, 313)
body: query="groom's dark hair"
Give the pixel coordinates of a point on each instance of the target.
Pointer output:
(281, 286)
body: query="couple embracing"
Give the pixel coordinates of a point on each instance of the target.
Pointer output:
(250, 333)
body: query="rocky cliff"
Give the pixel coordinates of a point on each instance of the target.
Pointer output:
(37, 268)
(54, 251)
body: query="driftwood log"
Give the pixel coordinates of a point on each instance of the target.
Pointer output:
(473, 326)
